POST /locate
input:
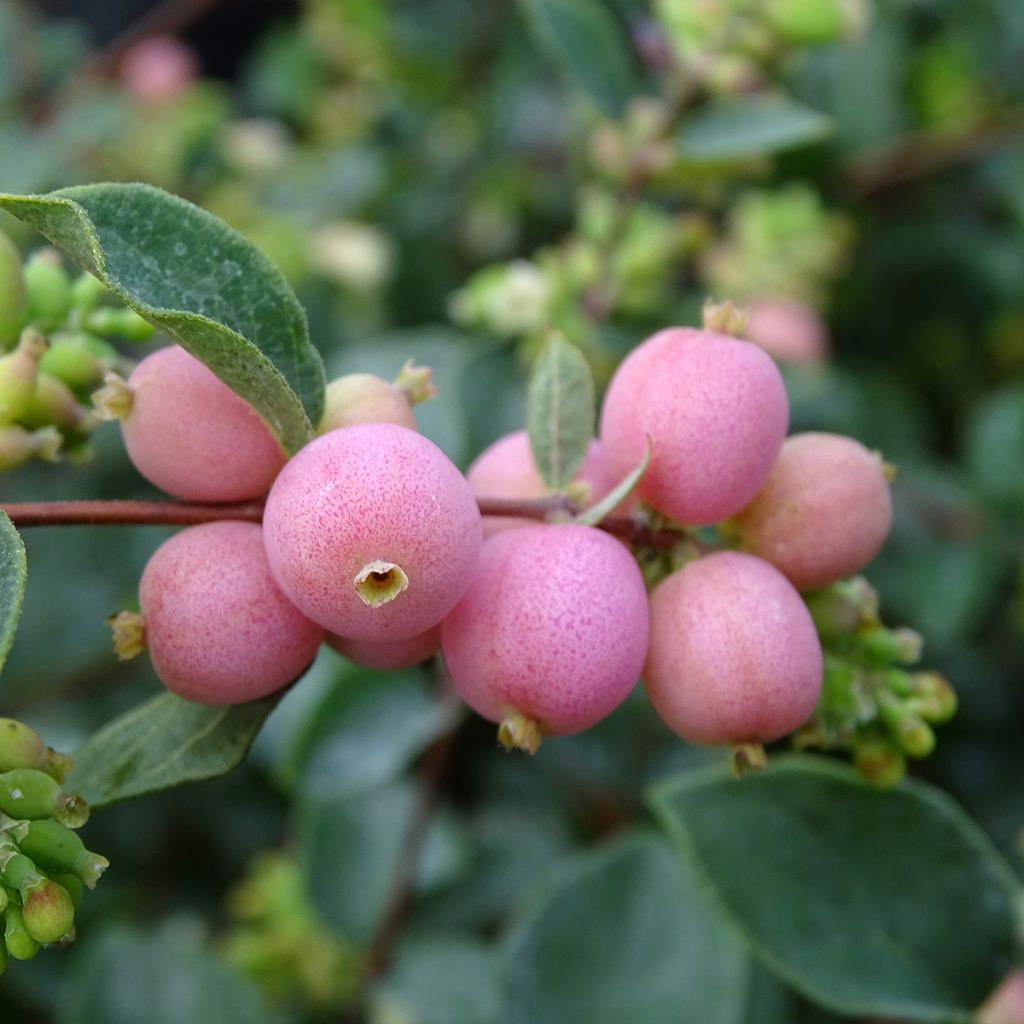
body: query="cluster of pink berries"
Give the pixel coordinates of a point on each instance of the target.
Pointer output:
(372, 539)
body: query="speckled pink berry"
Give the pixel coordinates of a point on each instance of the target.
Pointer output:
(789, 331)
(551, 635)
(364, 398)
(373, 532)
(388, 654)
(218, 629)
(158, 69)
(823, 513)
(505, 469)
(189, 434)
(716, 411)
(734, 656)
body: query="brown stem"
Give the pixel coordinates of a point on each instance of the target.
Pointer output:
(175, 513)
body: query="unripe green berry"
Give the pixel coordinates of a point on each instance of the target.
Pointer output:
(74, 886)
(55, 848)
(79, 360)
(21, 747)
(49, 290)
(54, 404)
(18, 445)
(913, 734)
(932, 697)
(20, 943)
(13, 297)
(18, 372)
(31, 794)
(46, 907)
(87, 292)
(121, 323)
(879, 760)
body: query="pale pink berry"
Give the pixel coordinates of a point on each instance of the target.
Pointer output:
(187, 432)
(823, 513)
(506, 469)
(551, 635)
(373, 532)
(716, 412)
(787, 330)
(1006, 1004)
(734, 656)
(158, 69)
(364, 398)
(388, 654)
(218, 629)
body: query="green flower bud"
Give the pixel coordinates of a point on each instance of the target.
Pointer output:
(20, 943)
(18, 445)
(932, 697)
(54, 404)
(87, 292)
(26, 793)
(914, 736)
(21, 747)
(49, 290)
(74, 886)
(121, 323)
(843, 608)
(55, 848)
(879, 760)
(902, 646)
(13, 297)
(18, 372)
(76, 359)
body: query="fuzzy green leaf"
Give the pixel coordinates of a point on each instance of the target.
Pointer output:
(162, 743)
(189, 274)
(586, 40)
(872, 904)
(560, 411)
(751, 126)
(13, 573)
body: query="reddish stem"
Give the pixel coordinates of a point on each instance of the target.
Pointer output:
(175, 513)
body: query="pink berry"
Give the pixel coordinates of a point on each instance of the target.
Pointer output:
(1006, 1004)
(823, 513)
(388, 654)
(734, 657)
(551, 635)
(218, 629)
(192, 436)
(364, 398)
(157, 69)
(716, 411)
(372, 532)
(506, 469)
(788, 331)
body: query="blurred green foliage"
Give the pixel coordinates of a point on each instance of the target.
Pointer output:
(442, 180)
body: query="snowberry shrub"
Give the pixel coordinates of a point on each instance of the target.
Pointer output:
(506, 469)
(823, 513)
(716, 412)
(373, 532)
(189, 434)
(218, 629)
(734, 656)
(551, 635)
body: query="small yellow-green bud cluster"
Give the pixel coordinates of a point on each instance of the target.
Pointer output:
(54, 353)
(44, 865)
(873, 703)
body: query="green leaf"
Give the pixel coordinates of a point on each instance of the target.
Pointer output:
(750, 126)
(888, 904)
(13, 573)
(126, 975)
(440, 980)
(350, 848)
(622, 490)
(560, 411)
(622, 935)
(162, 743)
(364, 731)
(201, 282)
(590, 45)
